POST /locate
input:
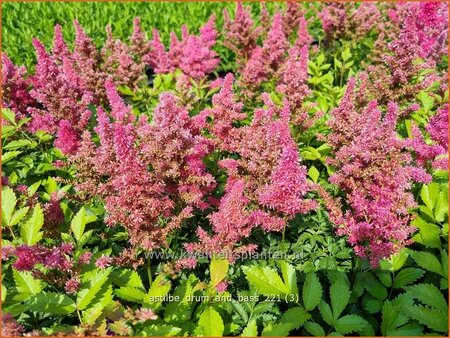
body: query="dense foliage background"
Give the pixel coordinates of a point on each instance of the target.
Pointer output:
(276, 169)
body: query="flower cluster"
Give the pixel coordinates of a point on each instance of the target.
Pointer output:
(66, 82)
(15, 93)
(266, 185)
(344, 21)
(402, 66)
(145, 171)
(437, 151)
(192, 54)
(374, 170)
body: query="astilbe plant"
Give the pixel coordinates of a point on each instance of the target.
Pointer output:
(192, 54)
(373, 169)
(65, 83)
(429, 21)
(15, 86)
(435, 151)
(145, 172)
(344, 21)
(266, 185)
(266, 60)
(240, 34)
(403, 67)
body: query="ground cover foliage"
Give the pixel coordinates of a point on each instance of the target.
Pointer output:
(211, 169)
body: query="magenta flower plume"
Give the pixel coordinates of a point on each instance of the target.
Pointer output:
(374, 169)
(15, 85)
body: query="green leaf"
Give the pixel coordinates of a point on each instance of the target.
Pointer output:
(9, 155)
(240, 310)
(17, 144)
(350, 323)
(407, 276)
(210, 323)
(435, 320)
(399, 259)
(9, 115)
(326, 313)
(314, 329)
(251, 330)
(428, 235)
(91, 314)
(374, 286)
(312, 292)
(52, 303)
(314, 174)
(79, 222)
(158, 330)
(429, 295)
(19, 215)
(392, 314)
(427, 261)
(4, 293)
(26, 283)
(429, 194)
(160, 288)
(30, 231)
(131, 294)
(291, 319)
(426, 100)
(126, 277)
(89, 289)
(265, 280)
(289, 276)
(9, 201)
(218, 270)
(340, 296)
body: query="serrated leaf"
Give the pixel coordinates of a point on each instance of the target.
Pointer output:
(407, 276)
(19, 215)
(79, 222)
(374, 286)
(126, 277)
(340, 296)
(210, 323)
(289, 277)
(350, 323)
(91, 314)
(26, 283)
(158, 330)
(9, 201)
(9, 155)
(429, 295)
(326, 313)
(52, 303)
(392, 314)
(251, 330)
(89, 289)
(131, 294)
(218, 270)
(9, 115)
(314, 329)
(427, 261)
(312, 291)
(291, 319)
(160, 288)
(265, 280)
(240, 310)
(435, 320)
(30, 230)
(17, 144)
